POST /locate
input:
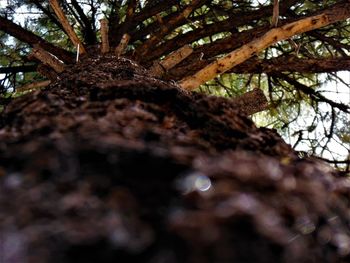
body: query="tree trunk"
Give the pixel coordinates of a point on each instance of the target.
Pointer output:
(110, 164)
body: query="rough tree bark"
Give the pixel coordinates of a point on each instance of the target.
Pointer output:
(109, 163)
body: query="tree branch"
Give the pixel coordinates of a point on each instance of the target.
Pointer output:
(273, 36)
(293, 64)
(47, 72)
(34, 86)
(67, 27)
(151, 10)
(287, 63)
(235, 20)
(312, 93)
(47, 12)
(166, 28)
(89, 34)
(28, 37)
(160, 67)
(16, 69)
(104, 36)
(120, 49)
(47, 59)
(124, 27)
(275, 14)
(147, 12)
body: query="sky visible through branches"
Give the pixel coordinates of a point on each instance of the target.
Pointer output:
(336, 90)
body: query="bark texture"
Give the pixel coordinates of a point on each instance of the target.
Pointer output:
(110, 164)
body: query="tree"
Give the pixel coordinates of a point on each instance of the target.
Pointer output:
(118, 159)
(284, 69)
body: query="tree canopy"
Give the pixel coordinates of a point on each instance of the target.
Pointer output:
(295, 51)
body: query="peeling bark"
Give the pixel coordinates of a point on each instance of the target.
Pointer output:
(159, 68)
(47, 59)
(120, 49)
(104, 36)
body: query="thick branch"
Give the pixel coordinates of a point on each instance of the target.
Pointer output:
(234, 21)
(120, 49)
(124, 27)
(104, 36)
(47, 72)
(47, 59)
(28, 37)
(160, 67)
(293, 64)
(34, 86)
(147, 12)
(270, 66)
(273, 36)
(113, 19)
(67, 27)
(141, 34)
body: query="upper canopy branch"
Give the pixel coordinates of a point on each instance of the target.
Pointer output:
(151, 10)
(117, 29)
(67, 27)
(292, 63)
(125, 26)
(317, 96)
(236, 20)
(30, 38)
(284, 63)
(47, 12)
(88, 27)
(334, 14)
(166, 28)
